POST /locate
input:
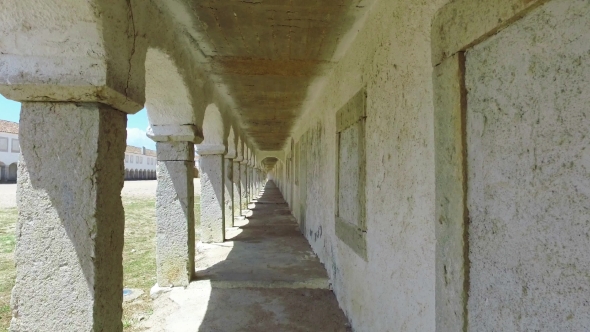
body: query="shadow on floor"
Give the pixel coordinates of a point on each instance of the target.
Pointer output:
(263, 278)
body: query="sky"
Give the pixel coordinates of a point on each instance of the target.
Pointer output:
(136, 123)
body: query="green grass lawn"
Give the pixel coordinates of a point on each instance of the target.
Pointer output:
(139, 258)
(7, 271)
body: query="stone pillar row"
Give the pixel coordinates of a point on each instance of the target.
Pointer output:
(71, 224)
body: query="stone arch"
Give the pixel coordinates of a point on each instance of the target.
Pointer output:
(231, 143)
(213, 130)
(239, 147)
(12, 172)
(269, 163)
(168, 99)
(126, 174)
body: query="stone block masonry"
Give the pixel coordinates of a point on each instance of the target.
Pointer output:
(228, 195)
(237, 189)
(71, 221)
(175, 220)
(212, 198)
(244, 184)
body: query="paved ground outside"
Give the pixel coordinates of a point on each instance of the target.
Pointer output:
(7, 196)
(131, 189)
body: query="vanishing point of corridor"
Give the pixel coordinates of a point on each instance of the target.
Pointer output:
(265, 277)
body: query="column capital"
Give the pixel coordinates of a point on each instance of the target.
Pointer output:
(238, 159)
(230, 155)
(74, 78)
(175, 133)
(209, 149)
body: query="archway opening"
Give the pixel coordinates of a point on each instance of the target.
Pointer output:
(12, 172)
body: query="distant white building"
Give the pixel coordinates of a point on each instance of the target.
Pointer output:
(140, 163)
(9, 150)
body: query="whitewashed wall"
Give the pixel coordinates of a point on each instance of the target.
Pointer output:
(9, 156)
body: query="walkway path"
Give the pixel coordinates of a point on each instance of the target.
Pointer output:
(263, 278)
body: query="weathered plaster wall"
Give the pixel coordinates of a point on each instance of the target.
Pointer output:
(528, 121)
(394, 289)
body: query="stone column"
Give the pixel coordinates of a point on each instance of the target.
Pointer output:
(237, 190)
(249, 175)
(257, 183)
(175, 214)
(244, 183)
(212, 193)
(228, 194)
(252, 182)
(69, 244)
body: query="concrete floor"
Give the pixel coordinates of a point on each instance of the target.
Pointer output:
(263, 278)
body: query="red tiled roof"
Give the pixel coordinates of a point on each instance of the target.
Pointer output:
(8, 127)
(136, 150)
(133, 149)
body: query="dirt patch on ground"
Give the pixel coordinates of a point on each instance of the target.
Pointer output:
(131, 189)
(7, 196)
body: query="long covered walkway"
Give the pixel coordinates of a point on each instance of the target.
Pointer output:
(434, 155)
(265, 277)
